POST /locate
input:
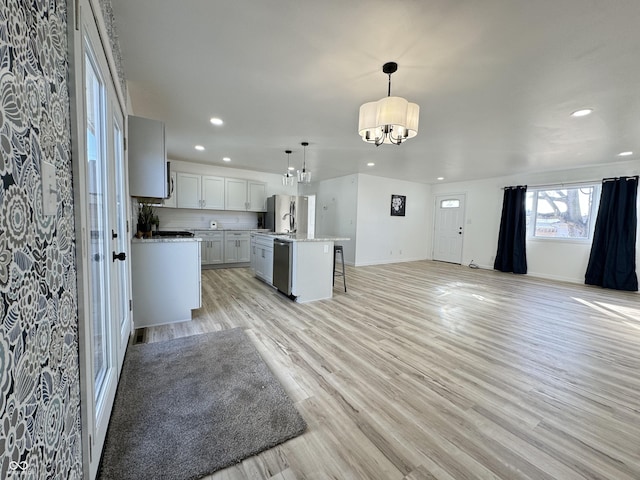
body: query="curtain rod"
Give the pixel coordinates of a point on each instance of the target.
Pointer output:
(551, 186)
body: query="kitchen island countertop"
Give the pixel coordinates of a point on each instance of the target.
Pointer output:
(165, 239)
(303, 237)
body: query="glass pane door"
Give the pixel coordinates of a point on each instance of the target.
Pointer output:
(98, 220)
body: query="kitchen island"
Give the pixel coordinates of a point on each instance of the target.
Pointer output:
(165, 274)
(302, 265)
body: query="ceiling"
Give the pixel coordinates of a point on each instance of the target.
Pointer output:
(496, 82)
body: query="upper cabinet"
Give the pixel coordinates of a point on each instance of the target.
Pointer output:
(257, 196)
(200, 191)
(235, 191)
(213, 192)
(148, 167)
(189, 194)
(245, 195)
(193, 190)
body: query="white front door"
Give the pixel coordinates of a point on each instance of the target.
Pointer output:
(449, 228)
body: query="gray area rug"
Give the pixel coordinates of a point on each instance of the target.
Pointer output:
(188, 407)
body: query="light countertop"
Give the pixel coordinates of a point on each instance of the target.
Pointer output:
(165, 240)
(211, 230)
(303, 237)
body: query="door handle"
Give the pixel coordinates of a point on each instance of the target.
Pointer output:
(120, 256)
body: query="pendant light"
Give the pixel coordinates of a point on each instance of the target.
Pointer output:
(390, 120)
(287, 178)
(304, 176)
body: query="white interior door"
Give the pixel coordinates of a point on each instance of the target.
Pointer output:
(102, 213)
(449, 228)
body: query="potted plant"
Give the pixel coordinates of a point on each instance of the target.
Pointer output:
(145, 220)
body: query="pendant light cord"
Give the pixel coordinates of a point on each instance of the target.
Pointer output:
(304, 161)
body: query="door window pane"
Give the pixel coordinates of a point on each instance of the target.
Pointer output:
(451, 203)
(98, 247)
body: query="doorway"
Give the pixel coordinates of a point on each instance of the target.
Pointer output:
(449, 228)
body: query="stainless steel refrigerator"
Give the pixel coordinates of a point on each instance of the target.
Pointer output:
(291, 214)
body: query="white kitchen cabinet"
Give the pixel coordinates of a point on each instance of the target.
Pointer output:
(262, 257)
(147, 158)
(256, 196)
(189, 194)
(200, 191)
(213, 192)
(237, 247)
(245, 195)
(252, 253)
(165, 277)
(171, 202)
(211, 247)
(235, 191)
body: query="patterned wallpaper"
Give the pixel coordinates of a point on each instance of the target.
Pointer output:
(114, 42)
(39, 375)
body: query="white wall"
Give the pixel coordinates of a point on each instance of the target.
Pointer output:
(382, 238)
(546, 258)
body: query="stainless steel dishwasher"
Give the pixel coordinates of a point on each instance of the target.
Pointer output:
(282, 262)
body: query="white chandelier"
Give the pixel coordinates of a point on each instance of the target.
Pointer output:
(390, 120)
(304, 176)
(288, 177)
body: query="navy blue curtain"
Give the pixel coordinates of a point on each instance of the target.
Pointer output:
(612, 262)
(512, 254)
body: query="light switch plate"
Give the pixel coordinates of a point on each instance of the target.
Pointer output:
(49, 189)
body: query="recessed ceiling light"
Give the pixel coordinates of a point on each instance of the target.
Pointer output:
(371, 164)
(291, 168)
(625, 154)
(200, 148)
(582, 113)
(226, 159)
(216, 121)
(440, 178)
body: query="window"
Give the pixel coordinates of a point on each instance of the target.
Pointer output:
(563, 213)
(453, 203)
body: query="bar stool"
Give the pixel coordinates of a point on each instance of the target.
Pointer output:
(338, 249)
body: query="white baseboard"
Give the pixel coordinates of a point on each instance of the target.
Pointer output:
(388, 261)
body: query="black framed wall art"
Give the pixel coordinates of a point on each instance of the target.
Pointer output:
(398, 205)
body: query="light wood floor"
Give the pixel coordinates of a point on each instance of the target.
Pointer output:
(426, 370)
